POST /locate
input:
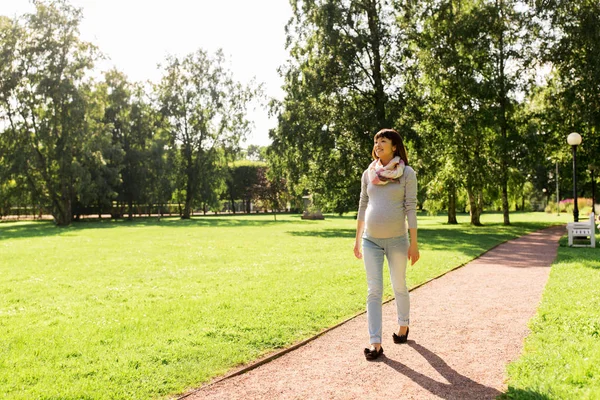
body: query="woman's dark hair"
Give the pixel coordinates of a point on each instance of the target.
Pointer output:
(396, 141)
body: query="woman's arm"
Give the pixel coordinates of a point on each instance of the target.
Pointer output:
(360, 218)
(413, 248)
(410, 207)
(360, 226)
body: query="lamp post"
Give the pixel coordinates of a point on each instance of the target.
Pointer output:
(557, 196)
(557, 207)
(545, 197)
(574, 139)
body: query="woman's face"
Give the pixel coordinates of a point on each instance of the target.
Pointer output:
(384, 148)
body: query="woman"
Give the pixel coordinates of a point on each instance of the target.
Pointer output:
(388, 200)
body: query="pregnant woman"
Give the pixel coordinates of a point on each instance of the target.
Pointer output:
(386, 220)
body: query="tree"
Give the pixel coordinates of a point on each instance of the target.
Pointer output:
(458, 118)
(272, 190)
(255, 153)
(244, 181)
(345, 81)
(509, 39)
(206, 109)
(569, 32)
(98, 166)
(47, 65)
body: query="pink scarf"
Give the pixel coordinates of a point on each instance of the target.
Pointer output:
(382, 175)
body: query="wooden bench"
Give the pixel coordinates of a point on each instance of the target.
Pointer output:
(582, 229)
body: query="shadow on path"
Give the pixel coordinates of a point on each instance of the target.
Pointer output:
(460, 387)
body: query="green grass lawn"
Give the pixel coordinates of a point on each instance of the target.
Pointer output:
(148, 309)
(561, 359)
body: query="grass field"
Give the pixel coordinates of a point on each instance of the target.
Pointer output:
(148, 309)
(562, 354)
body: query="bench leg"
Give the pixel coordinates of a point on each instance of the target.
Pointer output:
(570, 238)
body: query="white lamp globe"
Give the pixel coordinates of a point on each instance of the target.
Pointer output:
(574, 139)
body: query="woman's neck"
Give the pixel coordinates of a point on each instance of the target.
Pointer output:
(385, 161)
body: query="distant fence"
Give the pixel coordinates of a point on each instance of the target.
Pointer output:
(29, 212)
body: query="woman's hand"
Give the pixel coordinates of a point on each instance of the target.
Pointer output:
(357, 252)
(413, 253)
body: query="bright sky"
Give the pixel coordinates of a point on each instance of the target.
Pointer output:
(137, 35)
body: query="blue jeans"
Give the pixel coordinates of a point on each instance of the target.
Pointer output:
(395, 250)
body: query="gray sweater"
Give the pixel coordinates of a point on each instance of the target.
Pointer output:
(386, 208)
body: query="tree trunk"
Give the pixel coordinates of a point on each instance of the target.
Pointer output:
(375, 41)
(187, 207)
(505, 202)
(452, 205)
(503, 119)
(130, 207)
(475, 212)
(63, 214)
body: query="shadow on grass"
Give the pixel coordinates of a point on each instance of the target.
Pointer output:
(28, 229)
(523, 394)
(459, 386)
(467, 239)
(326, 233)
(586, 256)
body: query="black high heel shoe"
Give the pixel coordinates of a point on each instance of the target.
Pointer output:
(401, 338)
(373, 354)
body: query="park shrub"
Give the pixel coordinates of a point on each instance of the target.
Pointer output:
(584, 205)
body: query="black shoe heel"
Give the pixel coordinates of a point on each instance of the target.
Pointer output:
(401, 338)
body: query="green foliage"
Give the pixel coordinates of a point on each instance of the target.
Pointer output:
(468, 96)
(343, 83)
(205, 109)
(255, 181)
(568, 34)
(243, 182)
(460, 80)
(77, 146)
(44, 97)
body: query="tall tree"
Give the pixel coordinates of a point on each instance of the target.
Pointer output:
(206, 110)
(344, 81)
(46, 103)
(569, 32)
(510, 41)
(11, 37)
(457, 114)
(99, 164)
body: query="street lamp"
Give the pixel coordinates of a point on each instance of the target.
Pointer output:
(557, 199)
(557, 196)
(546, 198)
(574, 139)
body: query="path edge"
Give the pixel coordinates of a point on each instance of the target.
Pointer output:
(253, 365)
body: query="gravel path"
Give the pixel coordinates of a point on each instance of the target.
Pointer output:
(466, 327)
